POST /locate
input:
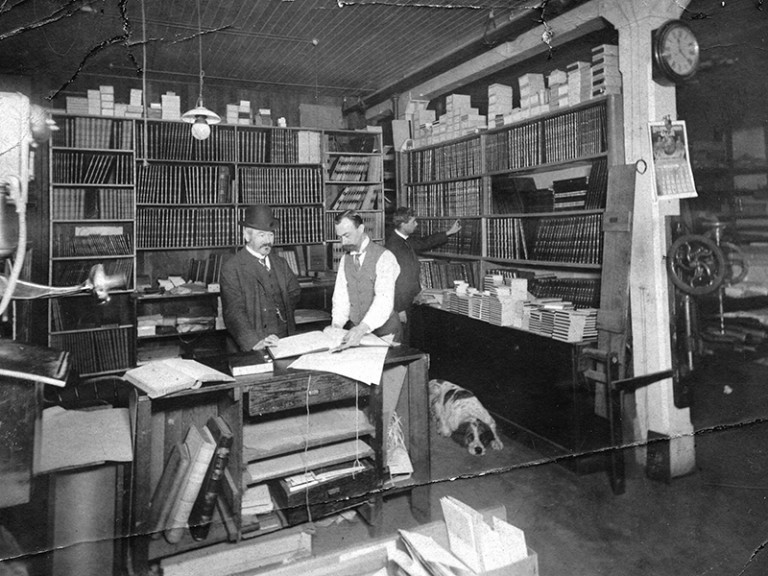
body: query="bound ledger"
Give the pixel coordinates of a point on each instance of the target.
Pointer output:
(163, 377)
(201, 516)
(201, 447)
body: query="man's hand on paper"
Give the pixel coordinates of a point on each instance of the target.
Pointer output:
(270, 340)
(351, 338)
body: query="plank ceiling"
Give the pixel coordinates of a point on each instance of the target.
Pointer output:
(331, 46)
(369, 48)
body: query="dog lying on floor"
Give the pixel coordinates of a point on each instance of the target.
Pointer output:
(459, 414)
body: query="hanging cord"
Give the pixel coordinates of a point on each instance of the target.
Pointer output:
(200, 54)
(306, 449)
(357, 463)
(144, 143)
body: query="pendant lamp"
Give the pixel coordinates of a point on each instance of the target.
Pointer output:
(200, 117)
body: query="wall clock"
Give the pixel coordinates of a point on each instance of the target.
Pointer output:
(675, 51)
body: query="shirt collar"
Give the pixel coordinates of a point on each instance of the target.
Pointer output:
(403, 236)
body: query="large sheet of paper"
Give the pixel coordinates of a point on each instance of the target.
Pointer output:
(74, 438)
(364, 363)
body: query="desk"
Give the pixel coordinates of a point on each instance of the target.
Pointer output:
(162, 422)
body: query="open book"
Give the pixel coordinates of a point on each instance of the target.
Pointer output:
(163, 377)
(318, 341)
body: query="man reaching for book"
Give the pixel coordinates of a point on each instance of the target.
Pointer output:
(259, 292)
(406, 246)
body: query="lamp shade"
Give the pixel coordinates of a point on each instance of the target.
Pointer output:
(201, 111)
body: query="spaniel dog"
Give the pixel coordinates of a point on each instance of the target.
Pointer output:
(459, 414)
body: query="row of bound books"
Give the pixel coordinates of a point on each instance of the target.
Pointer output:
(190, 486)
(92, 168)
(456, 160)
(362, 197)
(299, 224)
(467, 241)
(283, 185)
(278, 145)
(87, 132)
(97, 351)
(567, 136)
(455, 198)
(174, 141)
(574, 239)
(205, 270)
(185, 227)
(440, 274)
(92, 204)
(169, 184)
(93, 245)
(517, 147)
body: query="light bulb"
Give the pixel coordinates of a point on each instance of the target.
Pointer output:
(200, 128)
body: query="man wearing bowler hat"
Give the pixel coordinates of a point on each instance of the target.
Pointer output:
(259, 292)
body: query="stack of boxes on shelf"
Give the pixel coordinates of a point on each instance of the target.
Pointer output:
(239, 113)
(538, 94)
(606, 78)
(579, 82)
(460, 118)
(102, 102)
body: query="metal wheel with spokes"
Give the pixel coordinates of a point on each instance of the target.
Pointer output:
(696, 265)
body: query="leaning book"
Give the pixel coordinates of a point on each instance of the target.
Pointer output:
(163, 377)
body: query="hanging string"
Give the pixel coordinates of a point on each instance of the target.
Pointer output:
(145, 130)
(200, 54)
(306, 448)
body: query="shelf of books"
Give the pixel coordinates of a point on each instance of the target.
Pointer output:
(531, 198)
(91, 222)
(354, 172)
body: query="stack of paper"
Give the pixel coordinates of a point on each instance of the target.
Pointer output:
(479, 545)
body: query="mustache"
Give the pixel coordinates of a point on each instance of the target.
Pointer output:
(349, 247)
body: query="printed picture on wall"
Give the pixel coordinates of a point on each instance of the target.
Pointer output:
(673, 177)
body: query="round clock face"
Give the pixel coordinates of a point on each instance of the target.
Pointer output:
(676, 51)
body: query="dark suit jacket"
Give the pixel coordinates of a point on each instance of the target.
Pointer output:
(407, 286)
(242, 296)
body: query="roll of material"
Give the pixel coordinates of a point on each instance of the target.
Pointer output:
(84, 521)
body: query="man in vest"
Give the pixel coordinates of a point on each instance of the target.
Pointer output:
(259, 292)
(364, 294)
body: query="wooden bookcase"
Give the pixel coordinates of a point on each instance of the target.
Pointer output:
(499, 183)
(354, 179)
(92, 221)
(148, 200)
(503, 185)
(255, 407)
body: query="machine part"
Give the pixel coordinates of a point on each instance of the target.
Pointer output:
(696, 265)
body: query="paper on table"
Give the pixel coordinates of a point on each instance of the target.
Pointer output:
(364, 363)
(72, 438)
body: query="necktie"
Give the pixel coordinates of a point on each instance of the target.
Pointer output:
(356, 256)
(263, 262)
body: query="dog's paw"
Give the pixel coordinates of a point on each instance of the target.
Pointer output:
(496, 444)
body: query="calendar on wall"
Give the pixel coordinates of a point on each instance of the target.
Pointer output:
(671, 164)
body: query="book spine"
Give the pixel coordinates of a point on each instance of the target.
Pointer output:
(201, 514)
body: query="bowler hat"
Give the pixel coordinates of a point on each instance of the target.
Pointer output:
(259, 217)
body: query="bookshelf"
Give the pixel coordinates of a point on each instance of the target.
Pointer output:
(148, 200)
(353, 167)
(531, 197)
(92, 211)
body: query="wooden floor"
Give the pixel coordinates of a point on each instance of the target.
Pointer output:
(712, 522)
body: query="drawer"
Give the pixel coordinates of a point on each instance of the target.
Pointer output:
(319, 388)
